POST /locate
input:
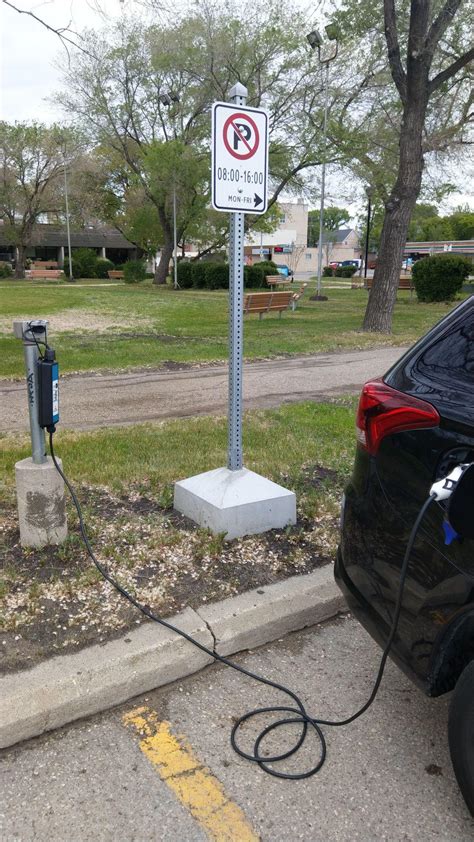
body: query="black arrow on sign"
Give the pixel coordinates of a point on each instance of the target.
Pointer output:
(257, 200)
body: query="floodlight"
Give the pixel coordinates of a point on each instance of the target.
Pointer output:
(314, 39)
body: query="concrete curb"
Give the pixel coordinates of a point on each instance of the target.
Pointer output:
(70, 687)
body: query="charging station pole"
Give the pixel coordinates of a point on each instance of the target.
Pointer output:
(39, 487)
(23, 330)
(236, 294)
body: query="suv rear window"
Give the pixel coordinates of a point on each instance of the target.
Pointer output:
(450, 360)
(440, 367)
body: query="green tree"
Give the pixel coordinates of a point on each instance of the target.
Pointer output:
(462, 224)
(333, 219)
(150, 87)
(398, 113)
(31, 181)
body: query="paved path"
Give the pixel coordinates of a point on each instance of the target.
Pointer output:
(387, 778)
(90, 401)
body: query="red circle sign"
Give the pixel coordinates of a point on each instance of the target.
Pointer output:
(244, 136)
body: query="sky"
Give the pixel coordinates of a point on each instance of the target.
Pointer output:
(29, 73)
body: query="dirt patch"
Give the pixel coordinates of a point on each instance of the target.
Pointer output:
(80, 321)
(54, 600)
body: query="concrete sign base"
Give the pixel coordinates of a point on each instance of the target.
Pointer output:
(235, 502)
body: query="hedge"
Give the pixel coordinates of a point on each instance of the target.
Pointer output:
(134, 271)
(440, 278)
(185, 274)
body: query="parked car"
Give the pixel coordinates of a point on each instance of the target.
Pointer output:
(354, 262)
(414, 426)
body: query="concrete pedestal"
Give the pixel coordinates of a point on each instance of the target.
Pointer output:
(41, 503)
(235, 502)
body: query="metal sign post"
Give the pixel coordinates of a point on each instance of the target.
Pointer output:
(234, 500)
(236, 318)
(239, 185)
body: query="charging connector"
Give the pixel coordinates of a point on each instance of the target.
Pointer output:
(48, 390)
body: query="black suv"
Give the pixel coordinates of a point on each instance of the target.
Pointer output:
(414, 426)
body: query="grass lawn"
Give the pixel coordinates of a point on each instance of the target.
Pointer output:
(54, 601)
(101, 325)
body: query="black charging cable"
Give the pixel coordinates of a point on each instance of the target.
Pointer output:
(297, 714)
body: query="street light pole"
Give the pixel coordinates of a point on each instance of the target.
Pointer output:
(71, 278)
(175, 240)
(316, 42)
(323, 187)
(367, 230)
(62, 143)
(168, 99)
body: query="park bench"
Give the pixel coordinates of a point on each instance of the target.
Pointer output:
(297, 296)
(277, 280)
(405, 282)
(115, 273)
(267, 302)
(48, 274)
(45, 264)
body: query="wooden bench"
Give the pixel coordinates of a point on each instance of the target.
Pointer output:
(405, 282)
(267, 302)
(297, 296)
(115, 273)
(277, 280)
(48, 274)
(45, 264)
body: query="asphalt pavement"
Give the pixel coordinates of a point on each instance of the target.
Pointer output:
(89, 401)
(174, 777)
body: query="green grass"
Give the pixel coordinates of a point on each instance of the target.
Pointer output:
(147, 325)
(277, 443)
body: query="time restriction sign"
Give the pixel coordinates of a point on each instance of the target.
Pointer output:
(239, 158)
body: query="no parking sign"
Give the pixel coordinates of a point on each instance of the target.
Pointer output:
(239, 158)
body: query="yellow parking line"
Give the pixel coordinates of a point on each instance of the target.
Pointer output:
(194, 785)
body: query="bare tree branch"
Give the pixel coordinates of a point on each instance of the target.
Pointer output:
(59, 31)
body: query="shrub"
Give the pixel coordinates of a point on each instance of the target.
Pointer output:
(440, 278)
(345, 271)
(185, 274)
(76, 268)
(328, 272)
(268, 266)
(134, 271)
(199, 275)
(217, 276)
(254, 276)
(5, 270)
(85, 261)
(103, 266)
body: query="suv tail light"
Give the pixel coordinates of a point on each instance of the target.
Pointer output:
(383, 410)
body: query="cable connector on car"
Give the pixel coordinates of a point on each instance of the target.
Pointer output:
(443, 488)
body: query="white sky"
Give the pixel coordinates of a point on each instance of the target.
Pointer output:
(28, 74)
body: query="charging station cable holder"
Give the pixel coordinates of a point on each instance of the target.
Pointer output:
(39, 488)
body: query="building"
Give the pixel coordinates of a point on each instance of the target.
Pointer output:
(49, 242)
(415, 250)
(288, 244)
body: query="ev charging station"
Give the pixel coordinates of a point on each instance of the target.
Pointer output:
(235, 500)
(39, 487)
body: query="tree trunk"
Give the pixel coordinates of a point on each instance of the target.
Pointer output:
(20, 258)
(162, 268)
(398, 211)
